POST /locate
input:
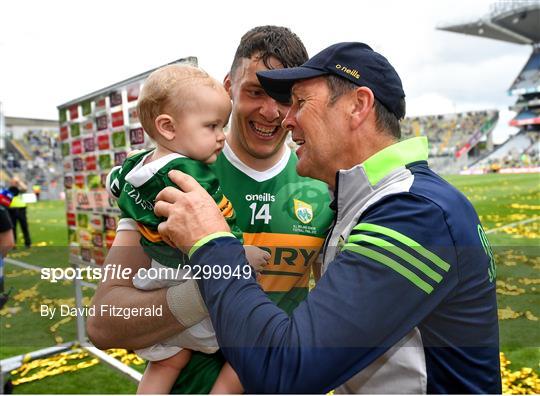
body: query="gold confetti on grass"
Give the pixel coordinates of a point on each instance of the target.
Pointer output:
(9, 311)
(527, 281)
(55, 326)
(59, 364)
(511, 258)
(17, 273)
(66, 362)
(126, 357)
(16, 254)
(26, 294)
(529, 315)
(508, 289)
(521, 382)
(527, 207)
(32, 297)
(509, 313)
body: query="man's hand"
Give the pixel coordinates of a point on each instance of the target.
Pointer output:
(191, 213)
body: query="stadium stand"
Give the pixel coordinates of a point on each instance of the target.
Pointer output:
(528, 80)
(456, 140)
(33, 154)
(527, 117)
(514, 22)
(520, 150)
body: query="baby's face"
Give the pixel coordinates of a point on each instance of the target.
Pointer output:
(199, 127)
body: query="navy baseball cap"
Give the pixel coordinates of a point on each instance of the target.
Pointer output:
(356, 62)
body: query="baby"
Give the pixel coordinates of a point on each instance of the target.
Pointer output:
(184, 111)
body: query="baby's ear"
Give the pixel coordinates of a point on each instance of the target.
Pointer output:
(165, 126)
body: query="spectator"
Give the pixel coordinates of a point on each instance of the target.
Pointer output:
(17, 210)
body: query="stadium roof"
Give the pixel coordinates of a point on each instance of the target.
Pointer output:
(513, 22)
(29, 122)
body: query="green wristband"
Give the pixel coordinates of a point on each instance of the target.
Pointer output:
(207, 239)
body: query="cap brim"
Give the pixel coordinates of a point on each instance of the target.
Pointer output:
(278, 82)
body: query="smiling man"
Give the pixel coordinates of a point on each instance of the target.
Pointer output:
(256, 132)
(407, 300)
(277, 210)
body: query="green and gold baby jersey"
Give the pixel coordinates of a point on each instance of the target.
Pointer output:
(135, 185)
(282, 213)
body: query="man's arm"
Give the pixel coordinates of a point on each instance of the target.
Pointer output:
(139, 331)
(365, 303)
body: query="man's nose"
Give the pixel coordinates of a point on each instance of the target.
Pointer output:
(289, 122)
(270, 109)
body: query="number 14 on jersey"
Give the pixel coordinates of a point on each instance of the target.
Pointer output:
(262, 214)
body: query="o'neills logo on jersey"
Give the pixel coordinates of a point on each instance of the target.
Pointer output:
(303, 211)
(265, 197)
(352, 72)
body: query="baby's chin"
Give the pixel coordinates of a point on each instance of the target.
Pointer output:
(210, 160)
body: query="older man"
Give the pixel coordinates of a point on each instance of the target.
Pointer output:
(407, 301)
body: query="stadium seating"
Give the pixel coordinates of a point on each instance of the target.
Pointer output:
(529, 78)
(449, 133)
(35, 158)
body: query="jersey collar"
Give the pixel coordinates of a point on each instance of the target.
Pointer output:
(259, 176)
(142, 172)
(395, 156)
(383, 170)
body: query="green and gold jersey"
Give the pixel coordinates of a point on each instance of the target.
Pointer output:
(282, 213)
(135, 185)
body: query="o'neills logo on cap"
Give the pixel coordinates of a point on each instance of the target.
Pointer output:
(352, 72)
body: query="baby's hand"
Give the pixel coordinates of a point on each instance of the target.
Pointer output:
(256, 257)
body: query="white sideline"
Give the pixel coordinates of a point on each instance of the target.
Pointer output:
(124, 369)
(512, 224)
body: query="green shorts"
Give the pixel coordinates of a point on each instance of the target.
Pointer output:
(199, 375)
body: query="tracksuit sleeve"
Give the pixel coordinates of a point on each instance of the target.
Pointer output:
(389, 276)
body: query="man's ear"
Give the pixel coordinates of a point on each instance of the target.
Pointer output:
(227, 83)
(165, 126)
(363, 102)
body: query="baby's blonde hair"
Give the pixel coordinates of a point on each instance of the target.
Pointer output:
(169, 88)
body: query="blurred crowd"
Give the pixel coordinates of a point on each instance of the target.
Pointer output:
(448, 132)
(35, 158)
(516, 158)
